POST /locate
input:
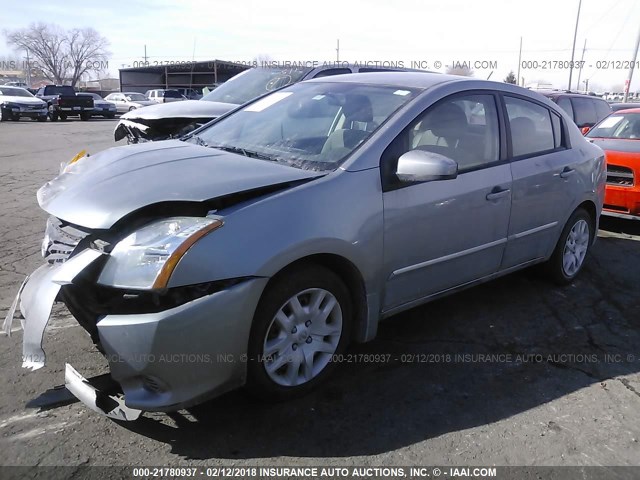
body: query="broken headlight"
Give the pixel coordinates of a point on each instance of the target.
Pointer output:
(146, 258)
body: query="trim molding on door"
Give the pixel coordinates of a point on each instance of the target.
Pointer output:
(445, 258)
(516, 236)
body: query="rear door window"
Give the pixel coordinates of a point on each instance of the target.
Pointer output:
(531, 127)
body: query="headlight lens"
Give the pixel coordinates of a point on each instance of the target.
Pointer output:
(146, 258)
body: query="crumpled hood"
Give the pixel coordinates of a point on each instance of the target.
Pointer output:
(99, 190)
(184, 109)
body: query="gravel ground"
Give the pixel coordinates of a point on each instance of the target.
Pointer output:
(514, 372)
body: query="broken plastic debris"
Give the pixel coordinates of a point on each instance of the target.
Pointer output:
(8, 320)
(110, 405)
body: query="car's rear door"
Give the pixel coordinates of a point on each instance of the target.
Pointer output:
(545, 178)
(441, 234)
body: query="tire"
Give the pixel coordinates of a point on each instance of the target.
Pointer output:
(278, 358)
(63, 117)
(573, 246)
(85, 116)
(42, 118)
(111, 116)
(15, 118)
(132, 108)
(2, 116)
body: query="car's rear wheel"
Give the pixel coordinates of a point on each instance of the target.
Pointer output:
(63, 117)
(2, 118)
(15, 118)
(85, 116)
(302, 321)
(575, 241)
(132, 108)
(42, 118)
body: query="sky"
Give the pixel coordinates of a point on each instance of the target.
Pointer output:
(484, 34)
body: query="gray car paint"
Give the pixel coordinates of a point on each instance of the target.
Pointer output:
(145, 174)
(394, 239)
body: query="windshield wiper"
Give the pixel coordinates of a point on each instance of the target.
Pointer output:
(199, 140)
(245, 152)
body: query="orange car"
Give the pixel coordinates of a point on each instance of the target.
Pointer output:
(619, 136)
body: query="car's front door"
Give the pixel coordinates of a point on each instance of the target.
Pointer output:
(442, 234)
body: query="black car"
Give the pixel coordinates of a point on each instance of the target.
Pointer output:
(585, 110)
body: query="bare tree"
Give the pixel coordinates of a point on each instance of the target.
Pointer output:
(87, 51)
(61, 55)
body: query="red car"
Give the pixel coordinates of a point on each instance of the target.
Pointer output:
(619, 136)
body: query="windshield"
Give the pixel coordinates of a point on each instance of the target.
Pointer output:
(172, 94)
(311, 126)
(59, 90)
(135, 97)
(14, 92)
(253, 83)
(623, 126)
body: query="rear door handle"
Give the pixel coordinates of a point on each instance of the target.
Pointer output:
(496, 193)
(566, 173)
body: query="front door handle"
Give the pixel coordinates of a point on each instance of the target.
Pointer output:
(567, 172)
(496, 193)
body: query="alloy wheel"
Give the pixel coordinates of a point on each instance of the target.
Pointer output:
(575, 248)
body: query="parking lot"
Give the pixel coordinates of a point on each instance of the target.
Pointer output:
(515, 372)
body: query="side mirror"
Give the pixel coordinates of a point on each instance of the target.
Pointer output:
(585, 130)
(423, 166)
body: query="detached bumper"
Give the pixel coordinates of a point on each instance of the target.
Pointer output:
(163, 361)
(179, 357)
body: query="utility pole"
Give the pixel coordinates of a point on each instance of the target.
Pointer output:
(145, 54)
(338, 51)
(581, 64)
(635, 58)
(28, 78)
(519, 62)
(573, 50)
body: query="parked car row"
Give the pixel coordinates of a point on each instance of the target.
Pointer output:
(58, 102)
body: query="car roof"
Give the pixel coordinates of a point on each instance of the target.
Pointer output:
(554, 94)
(628, 110)
(406, 79)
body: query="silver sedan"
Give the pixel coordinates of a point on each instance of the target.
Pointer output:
(252, 252)
(128, 101)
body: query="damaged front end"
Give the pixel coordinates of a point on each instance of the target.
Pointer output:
(171, 341)
(138, 130)
(36, 296)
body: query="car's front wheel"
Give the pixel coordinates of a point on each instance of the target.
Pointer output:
(572, 248)
(302, 321)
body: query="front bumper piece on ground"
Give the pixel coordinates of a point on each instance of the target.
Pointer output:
(110, 405)
(36, 297)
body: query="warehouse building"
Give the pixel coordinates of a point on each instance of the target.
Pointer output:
(181, 74)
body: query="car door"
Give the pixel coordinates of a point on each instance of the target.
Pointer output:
(544, 179)
(446, 233)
